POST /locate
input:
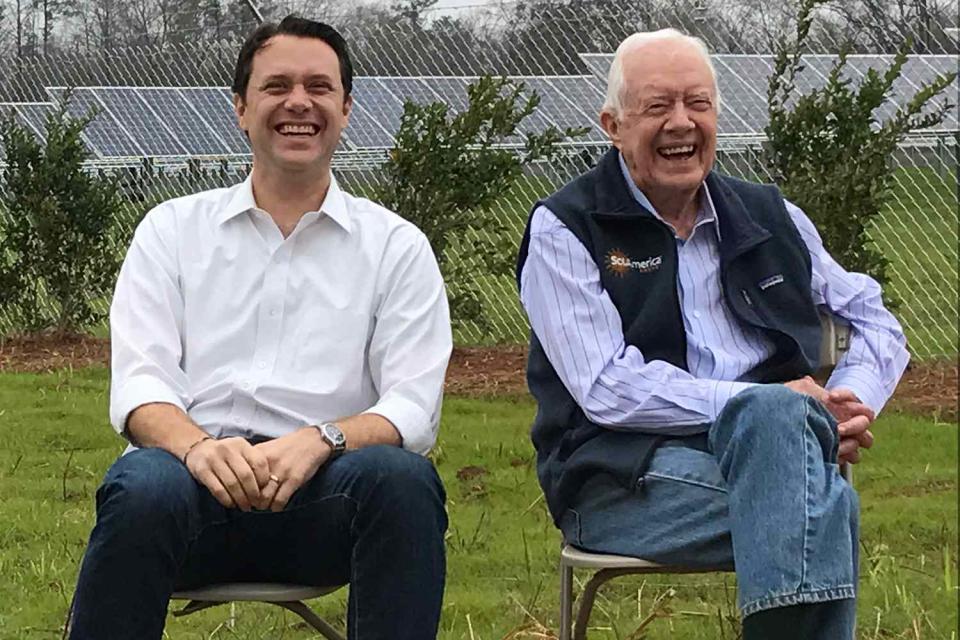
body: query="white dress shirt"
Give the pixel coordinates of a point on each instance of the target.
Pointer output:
(254, 334)
(582, 334)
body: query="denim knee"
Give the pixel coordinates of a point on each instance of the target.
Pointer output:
(768, 411)
(145, 488)
(407, 482)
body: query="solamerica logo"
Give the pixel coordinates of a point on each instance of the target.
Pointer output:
(619, 263)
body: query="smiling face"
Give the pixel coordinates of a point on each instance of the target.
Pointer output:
(295, 107)
(667, 126)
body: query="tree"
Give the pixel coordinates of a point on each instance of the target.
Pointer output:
(830, 154)
(58, 256)
(446, 172)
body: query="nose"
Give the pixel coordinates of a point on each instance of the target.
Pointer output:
(679, 119)
(297, 100)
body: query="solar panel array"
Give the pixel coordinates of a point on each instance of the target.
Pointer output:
(200, 121)
(742, 80)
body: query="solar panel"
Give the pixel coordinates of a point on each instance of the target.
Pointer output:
(34, 115)
(140, 121)
(744, 109)
(365, 131)
(452, 90)
(379, 102)
(213, 105)
(598, 63)
(582, 93)
(104, 135)
(412, 89)
(192, 131)
(557, 109)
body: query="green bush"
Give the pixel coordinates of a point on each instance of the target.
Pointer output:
(447, 171)
(828, 152)
(58, 260)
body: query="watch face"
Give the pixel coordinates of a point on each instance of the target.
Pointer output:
(334, 436)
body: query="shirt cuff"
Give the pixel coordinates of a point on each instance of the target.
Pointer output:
(137, 391)
(417, 433)
(863, 382)
(723, 391)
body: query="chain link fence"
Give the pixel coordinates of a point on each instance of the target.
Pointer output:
(548, 39)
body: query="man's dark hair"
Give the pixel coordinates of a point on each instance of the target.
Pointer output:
(291, 26)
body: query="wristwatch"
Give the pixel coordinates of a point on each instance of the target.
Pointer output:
(332, 435)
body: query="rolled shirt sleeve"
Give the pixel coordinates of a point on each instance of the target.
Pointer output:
(146, 318)
(412, 341)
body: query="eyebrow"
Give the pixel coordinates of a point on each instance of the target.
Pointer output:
(286, 77)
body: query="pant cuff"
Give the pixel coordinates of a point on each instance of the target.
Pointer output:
(797, 597)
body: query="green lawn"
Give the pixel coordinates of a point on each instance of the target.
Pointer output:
(502, 545)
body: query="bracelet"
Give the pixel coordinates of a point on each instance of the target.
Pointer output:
(190, 448)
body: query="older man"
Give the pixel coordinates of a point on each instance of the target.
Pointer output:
(675, 325)
(279, 349)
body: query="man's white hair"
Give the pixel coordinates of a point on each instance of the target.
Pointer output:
(615, 79)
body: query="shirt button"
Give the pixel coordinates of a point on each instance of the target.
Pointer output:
(262, 365)
(273, 313)
(245, 384)
(696, 314)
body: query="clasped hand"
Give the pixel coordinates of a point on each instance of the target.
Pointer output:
(262, 476)
(853, 417)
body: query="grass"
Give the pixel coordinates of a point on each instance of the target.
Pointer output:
(502, 547)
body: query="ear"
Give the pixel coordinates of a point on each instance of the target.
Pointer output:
(240, 108)
(611, 124)
(347, 107)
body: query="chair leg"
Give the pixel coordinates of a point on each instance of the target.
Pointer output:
(195, 605)
(590, 594)
(311, 618)
(566, 600)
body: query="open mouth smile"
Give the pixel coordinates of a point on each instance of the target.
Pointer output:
(677, 152)
(299, 129)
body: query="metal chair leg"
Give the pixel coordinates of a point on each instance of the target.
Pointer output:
(566, 600)
(311, 618)
(590, 594)
(195, 605)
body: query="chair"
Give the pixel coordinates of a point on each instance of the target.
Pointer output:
(607, 566)
(289, 597)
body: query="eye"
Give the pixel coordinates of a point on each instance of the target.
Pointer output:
(319, 87)
(657, 108)
(701, 104)
(274, 87)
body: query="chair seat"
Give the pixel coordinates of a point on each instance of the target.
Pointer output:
(573, 557)
(253, 592)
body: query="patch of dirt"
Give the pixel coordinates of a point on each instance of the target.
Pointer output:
(480, 371)
(471, 472)
(927, 388)
(47, 352)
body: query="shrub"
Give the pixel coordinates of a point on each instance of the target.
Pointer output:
(58, 257)
(830, 154)
(446, 172)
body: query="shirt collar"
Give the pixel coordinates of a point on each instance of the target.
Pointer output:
(706, 212)
(241, 200)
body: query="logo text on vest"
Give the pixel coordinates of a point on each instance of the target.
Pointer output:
(619, 263)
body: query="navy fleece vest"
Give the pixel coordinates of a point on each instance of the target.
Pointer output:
(637, 258)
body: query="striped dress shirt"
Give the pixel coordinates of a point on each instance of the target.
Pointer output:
(581, 331)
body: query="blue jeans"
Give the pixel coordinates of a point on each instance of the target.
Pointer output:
(373, 518)
(767, 499)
